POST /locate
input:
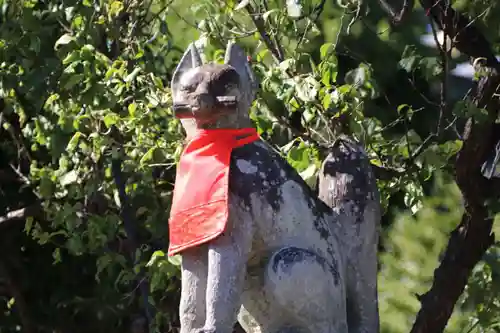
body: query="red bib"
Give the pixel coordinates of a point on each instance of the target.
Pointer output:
(200, 203)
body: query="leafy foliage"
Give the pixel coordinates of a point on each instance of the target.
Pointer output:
(85, 84)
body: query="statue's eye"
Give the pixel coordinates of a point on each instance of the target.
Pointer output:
(191, 82)
(225, 81)
(189, 86)
(231, 86)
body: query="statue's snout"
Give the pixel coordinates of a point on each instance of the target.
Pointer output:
(204, 105)
(204, 102)
(196, 105)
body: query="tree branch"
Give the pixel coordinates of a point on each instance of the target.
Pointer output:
(261, 28)
(21, 214)
(465, 36)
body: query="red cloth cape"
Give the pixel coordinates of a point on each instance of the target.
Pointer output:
(200, 203)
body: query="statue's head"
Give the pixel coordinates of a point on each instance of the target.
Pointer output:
(213, 95)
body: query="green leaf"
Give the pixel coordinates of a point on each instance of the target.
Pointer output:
(11, 303)
(69, 178)
(63, 40)
(307, 89)
(431, 66)
(56, 255)
(451, 147)
(154, 257)
(286, 64)
(148, 156)
(131, 109)
(298, 157)
(35, 44)
(309, 115)
(408, 64)
(266, 15)
(356, 77)
(74, 141)
(116, 8)
(29, 224)
(286, 148)
(52, 98)
(175, 260)
(309, 174)
(46, 187)
(103, 262)
(242, 4)
(327, 101)
(328, 73)
(71, 57)
(133, 75)
(409, 59)
(407, 110)
(73, 80)
(460, 109)
(111, 119)
(324, 50)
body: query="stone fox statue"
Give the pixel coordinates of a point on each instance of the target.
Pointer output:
(257, 244)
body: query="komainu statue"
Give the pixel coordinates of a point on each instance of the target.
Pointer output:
(258, 245)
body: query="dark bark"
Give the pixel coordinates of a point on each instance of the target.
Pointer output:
(131, 231)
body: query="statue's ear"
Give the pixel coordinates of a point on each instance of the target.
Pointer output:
(190, 59)
(236, 57)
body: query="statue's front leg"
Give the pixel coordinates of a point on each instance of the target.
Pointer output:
(227, 259)
(194, 273)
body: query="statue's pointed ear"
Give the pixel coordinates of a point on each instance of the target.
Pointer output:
(236, 57)
(190, 59)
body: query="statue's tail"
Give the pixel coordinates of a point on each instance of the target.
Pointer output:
(347, 184)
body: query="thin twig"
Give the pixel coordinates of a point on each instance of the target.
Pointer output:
(397, 17)
(21, 214)
(261, 28)
(444, 52)
(355, 18)
(316, 11)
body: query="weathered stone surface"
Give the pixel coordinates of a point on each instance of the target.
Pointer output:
(290, 260)
(347, 185)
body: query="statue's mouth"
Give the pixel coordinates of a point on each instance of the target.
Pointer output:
(182, 110)
(221, 105)
(227, 101)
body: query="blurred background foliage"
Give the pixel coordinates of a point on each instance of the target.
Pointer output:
(88, 146)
